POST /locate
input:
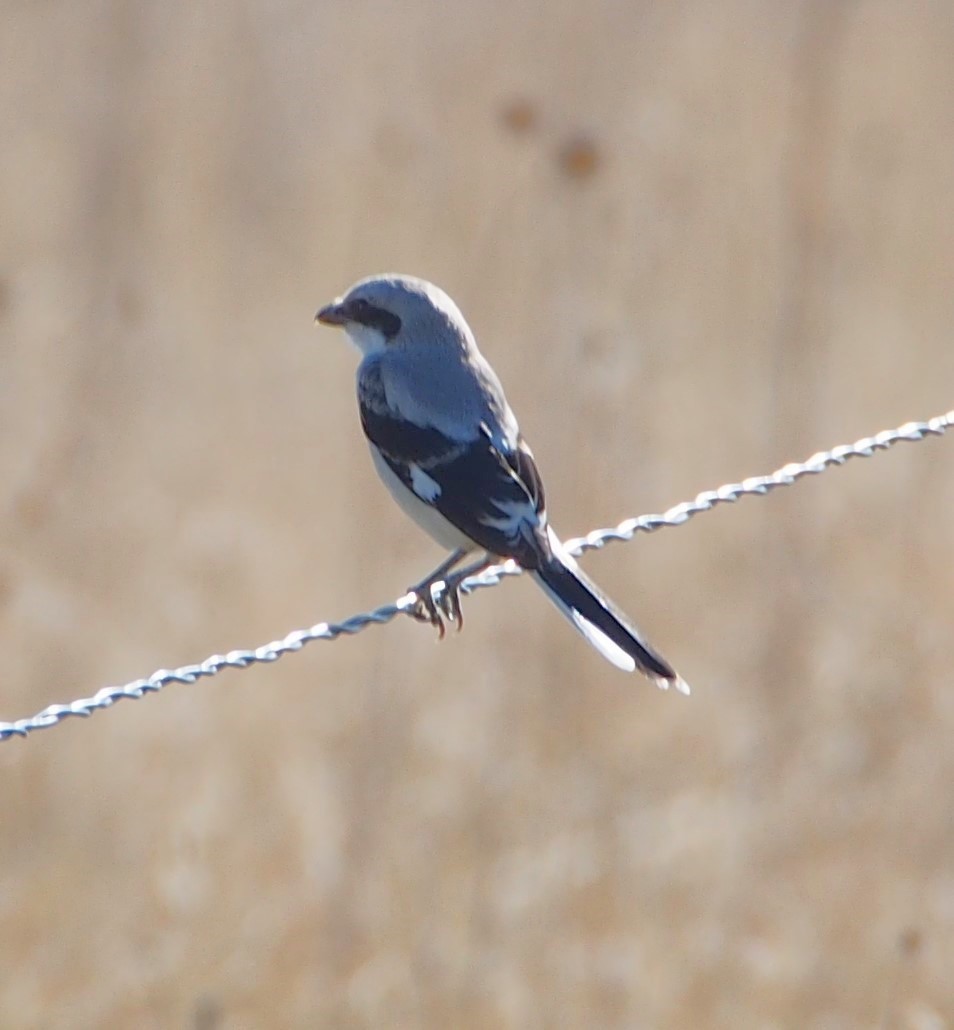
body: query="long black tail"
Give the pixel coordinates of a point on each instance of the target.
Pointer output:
(599, 620)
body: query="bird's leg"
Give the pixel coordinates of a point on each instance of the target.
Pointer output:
(449, 597)
(426, 609)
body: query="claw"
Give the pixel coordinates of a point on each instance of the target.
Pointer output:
(449, 601)
(426, 610)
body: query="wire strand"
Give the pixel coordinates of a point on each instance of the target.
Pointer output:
(729, 493)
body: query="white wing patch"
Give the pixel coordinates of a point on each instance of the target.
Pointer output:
(516, 515)
(424, 486)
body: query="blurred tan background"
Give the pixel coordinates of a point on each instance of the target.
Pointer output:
(697, 241)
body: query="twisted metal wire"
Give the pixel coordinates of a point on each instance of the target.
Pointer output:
(296, 640)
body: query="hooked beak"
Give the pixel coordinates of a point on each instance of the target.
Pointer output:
(332, 314)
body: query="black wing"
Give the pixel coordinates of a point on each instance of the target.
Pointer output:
(492, 495)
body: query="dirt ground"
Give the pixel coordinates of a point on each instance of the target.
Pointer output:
(697, 241)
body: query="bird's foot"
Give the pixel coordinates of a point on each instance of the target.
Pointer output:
(425, 609)
(434, 609)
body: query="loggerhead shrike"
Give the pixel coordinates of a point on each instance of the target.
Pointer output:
(447, 445)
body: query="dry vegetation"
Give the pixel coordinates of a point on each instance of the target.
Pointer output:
(697, 240)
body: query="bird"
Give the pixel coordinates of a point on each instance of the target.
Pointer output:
(449, 449)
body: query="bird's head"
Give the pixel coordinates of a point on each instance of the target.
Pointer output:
(390, 310)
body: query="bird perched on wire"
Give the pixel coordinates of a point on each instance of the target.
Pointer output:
(447, 445)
